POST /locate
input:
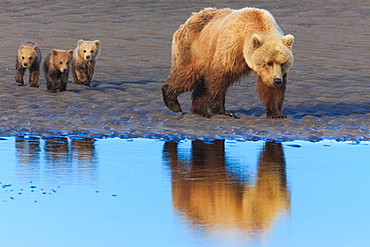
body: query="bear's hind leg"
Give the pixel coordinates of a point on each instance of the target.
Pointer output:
(199, 104)
(272, 98)
(171, 90)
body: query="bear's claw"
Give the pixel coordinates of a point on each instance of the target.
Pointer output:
(276, 116)
(229, 114)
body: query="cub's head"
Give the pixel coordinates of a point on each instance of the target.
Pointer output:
(88, 50)
(270, 58)
(61, 59)
(27, 55)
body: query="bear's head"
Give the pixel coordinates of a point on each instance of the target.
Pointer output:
(61, 59)
(88, 50)
(269, 57)
(27, 55)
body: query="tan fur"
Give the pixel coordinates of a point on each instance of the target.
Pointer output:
(209, 196)
(214, 48)
(56, 68)
(84, 59)
(29, 57)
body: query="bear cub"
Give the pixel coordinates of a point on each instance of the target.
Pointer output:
(83, 62)
(29, 57)
(56, 69)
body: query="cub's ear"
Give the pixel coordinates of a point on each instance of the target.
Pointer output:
(257, 41)
(36, 48)
(80, 41)
(55, 52)
(288, 40)
(70, 52)
(97, 42)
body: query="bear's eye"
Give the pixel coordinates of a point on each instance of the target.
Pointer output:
(30, 58)
(22, 57)
(84, 51)
(282, 65)
(91, 51)
(270, 63)
(61, 62)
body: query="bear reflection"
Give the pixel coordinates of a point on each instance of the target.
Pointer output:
(210, 196)
(27, 150)
(60, 156)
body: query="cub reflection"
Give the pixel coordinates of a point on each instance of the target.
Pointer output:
(55, 150)
(210, 196)
(59, 157)
(27, 150)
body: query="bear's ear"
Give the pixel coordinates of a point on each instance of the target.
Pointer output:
(256, 41)
(55, 52)
(97, 42)
(80, 41)
(70, 52)
(288, 40)
(36, 48)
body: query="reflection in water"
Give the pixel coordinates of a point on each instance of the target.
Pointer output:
(28, 151)
(210, 197)
(62, 157)
(57, 150)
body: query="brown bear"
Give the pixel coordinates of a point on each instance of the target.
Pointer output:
(29, 57)
(83, 62)
(215, 47)
(56, 69)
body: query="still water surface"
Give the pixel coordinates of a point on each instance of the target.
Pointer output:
(141, 192)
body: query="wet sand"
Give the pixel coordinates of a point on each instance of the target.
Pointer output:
(327, 95)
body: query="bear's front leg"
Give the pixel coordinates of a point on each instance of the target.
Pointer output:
(19, 75)
(90, 69)
(199, 105)
(63, 82)
(79, 75)
(34, 76)
(216, 98)
(51, 83)
(272, 98)
(217, 105)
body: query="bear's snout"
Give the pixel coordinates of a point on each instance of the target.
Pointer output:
(277, 82)
(25, 64)
(88, 57)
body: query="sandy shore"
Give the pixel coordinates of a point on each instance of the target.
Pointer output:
(327, 96)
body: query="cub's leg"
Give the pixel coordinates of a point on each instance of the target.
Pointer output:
(34, 75)
(63, 82)
(19, 74)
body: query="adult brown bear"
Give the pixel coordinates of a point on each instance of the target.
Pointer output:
(214, 48)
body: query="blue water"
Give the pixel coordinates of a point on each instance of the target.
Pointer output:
(141, 192)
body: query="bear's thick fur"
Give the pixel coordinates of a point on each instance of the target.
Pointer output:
(56, 69)
(29, 57)
(214, 48)
(83, 62)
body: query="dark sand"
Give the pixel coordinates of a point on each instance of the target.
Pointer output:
(327, 96)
